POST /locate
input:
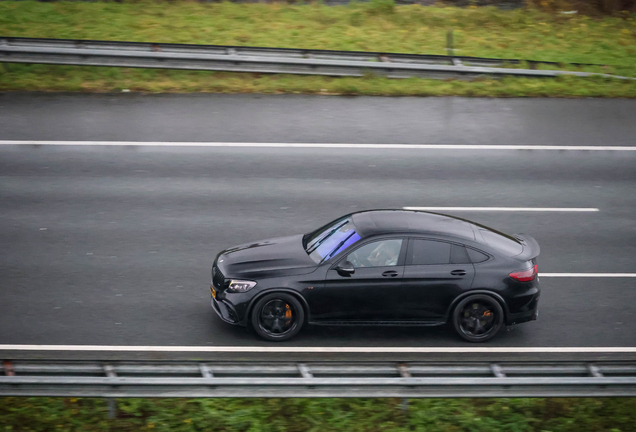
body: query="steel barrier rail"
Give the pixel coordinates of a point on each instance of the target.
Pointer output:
(259, 60)
(272, 52)
(251, 379)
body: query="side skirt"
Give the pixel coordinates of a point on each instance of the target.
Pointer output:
(379, 323)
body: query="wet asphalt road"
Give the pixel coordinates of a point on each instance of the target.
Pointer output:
(113, 245)
(297, 118)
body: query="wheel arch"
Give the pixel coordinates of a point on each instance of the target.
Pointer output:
(292, 292)
(492, 294)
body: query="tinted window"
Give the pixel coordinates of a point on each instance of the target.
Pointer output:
(427, 252)
(459, 255)
(475, 256)
(377, 254)
(506, 244)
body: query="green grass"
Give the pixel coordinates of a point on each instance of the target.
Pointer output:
(320, 415)
(376, 26)
(92, 79)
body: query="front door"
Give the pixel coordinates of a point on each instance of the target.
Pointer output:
(368, 293)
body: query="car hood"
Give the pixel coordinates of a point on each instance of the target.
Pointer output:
(281, 256)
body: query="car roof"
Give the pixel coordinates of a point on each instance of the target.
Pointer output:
(375, 222)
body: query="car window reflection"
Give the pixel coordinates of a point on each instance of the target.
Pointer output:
(381, 253)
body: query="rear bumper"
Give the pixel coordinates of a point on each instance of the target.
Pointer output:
(524, 305)
(519, 318)
(225, 311)
(529, 312)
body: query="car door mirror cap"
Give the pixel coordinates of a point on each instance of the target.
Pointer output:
(345, 269)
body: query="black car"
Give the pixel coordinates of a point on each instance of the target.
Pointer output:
(382, 267)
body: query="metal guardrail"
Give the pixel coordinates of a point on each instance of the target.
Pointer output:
(260, 60)
(251, 379)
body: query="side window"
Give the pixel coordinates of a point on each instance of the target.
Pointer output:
(476, 257)
(428, 252)
(377, 254)
(459, 255)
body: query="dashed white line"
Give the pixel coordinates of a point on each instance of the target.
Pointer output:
(319, 145)
(507, 209)
(279, 349)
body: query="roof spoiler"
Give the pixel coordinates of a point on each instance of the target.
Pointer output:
(531, 248)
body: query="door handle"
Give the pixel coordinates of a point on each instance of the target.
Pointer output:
(458, 272)
(390, 273)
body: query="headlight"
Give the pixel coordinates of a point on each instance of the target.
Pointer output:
(240, 286)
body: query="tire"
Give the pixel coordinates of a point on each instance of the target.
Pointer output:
(277, 317)
(478, 318)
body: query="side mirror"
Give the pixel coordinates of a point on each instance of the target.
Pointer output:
(345, 269)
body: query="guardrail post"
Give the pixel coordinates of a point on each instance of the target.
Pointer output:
(112, 403)
(304, 371)
(205, 372)
(497, 371)
(404, 373)
(594, 371)
(112, 408)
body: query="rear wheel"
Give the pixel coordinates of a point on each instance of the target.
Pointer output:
(478, 318)
(277, 317)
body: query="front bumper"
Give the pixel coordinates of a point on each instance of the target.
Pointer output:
(225, 311)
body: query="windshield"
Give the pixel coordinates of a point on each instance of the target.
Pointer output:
(330, 241)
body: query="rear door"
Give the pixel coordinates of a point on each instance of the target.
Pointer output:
(435, 272)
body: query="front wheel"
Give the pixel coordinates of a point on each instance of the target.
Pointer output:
(478, 318)
(277, 317)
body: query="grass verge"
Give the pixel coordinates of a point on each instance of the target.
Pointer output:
(93, 79)
(307, 415)
(375, 26)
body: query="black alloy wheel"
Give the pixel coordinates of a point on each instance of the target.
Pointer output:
(277, 317)
(478, 318)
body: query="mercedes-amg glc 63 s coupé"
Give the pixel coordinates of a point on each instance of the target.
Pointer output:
(382, 267)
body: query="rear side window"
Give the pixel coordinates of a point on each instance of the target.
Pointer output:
(476, 257)
(428, 252)
(459, 255)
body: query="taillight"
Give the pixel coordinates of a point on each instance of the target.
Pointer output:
(525, 275)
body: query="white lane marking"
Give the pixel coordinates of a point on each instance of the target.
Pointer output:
(279, 349)
(507, 209)
(591, 275)
(318, 145)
